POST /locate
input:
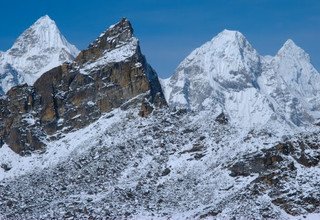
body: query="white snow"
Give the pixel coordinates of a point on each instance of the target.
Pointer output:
(227, 74)
(37, 50)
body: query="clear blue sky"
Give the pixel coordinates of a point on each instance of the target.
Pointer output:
(170, 29)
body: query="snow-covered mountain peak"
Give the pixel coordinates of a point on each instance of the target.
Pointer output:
(232, 40)
(292, 82)
(290, 50)
(221, 75)
(229, 49)
(38, 49)
(42, 35)
(45, 21)
(230, 35)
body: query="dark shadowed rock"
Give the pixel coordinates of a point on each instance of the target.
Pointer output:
(222, 119)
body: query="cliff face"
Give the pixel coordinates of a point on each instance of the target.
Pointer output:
(109, 73)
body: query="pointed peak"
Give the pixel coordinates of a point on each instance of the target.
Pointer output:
(231, 34)
(123, 25)
(230, 39)
(44, 21)
(118, 33)
(114, 38)
(45, 18)
(289, 48)
(289, 45)
(40, 36)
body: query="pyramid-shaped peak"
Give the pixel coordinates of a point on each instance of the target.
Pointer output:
(290, 48)
(44, 33)
(232, 38)
(44, 21)
(290, 45)
(232, 41)
(45, 18)
(230, 35)
(290, 42)
(40, 36)
(231, 32)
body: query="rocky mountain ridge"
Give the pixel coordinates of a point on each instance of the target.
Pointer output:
(74, 95)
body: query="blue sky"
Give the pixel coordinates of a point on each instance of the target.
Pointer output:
(170, 29)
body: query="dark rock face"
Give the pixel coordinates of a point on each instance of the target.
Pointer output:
(222, 119)
(64, 98)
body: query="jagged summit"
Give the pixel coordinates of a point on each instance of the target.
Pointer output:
(115, 34)
(38, 49)
(113, 45)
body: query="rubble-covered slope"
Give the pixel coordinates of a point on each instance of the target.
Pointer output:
(38, 49)
(174, 165)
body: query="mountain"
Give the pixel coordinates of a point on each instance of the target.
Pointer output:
(227, 75)
(37, 50)
(111, 72)
(291, 83)
(236, 137)
(221, 76)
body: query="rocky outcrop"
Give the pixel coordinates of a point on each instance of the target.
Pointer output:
(108, 74)
(280, 172)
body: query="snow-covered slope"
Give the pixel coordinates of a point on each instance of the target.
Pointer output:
(292, 84)
(174, 165)
(37, 50)
(227, 75)
(221, 75)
